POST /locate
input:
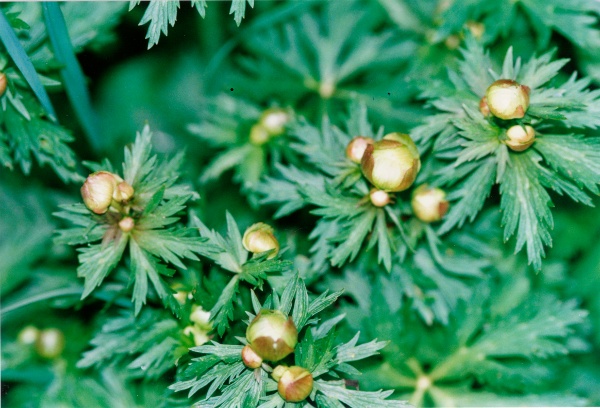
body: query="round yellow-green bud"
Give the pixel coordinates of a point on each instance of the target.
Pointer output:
(429, 203)
(200, 336)
(379, 198)
(274, 120)
(391, 164)
(272, 335)
(3, 83)
(259, 238)
(50, 343)
(127, 224)
(519, 137)
(28, 335)
(295, 384)
(98, 189)
(250, 358)
(507, 99)
(201, 317)
(259, 135)
(356, 148)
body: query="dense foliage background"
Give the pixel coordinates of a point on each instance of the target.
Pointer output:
(494, 305)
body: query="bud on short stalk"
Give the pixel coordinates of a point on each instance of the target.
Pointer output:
(272, 335)
(507, 99)
(294, 383)
(250, 358)
(379, 198)
(3, 83)
(127, 224)
(259, 238)
(519, 137)
(429, 204)
(356, 148)
(273, 120)
(50, 343)
(391, 164)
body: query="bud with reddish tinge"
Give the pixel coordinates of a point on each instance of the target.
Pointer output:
(391, 164)
(50, 343)
(379, 198)
(127, 224)
(356, 148)
(250, 358)
(483, 107)
(3, 83)
(520, 137)
(507, 99)
(259, 238)
(123, 192)
(274, 120)
(429, 203)
(98, 190)
(272, 335)
(294, 383)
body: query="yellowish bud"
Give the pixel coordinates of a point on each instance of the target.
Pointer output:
(295, 384)
(28, 335)
(429, 204)
(507, 99)
(356, 148)
(272, 335)
(200, 336)
(98, 189)
(519, 137)
(127, 224)
(379, 198)
(250, 358)
(50, 343)
(274, 120)
(259, 238)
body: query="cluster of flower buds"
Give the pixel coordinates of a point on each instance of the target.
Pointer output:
(3, 83)
(271, 124)
(260, 238)
(429, 203)
(48, 343)
(200, 325)
(103, 189)
(392, 163)
(294, 383)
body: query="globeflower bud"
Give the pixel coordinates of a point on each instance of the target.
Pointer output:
(200, 336)
(391, 164)
(520, 137)
(98, 190)
(259, 135)
(429, 203)
(127, 224)
(3, 83)
(259, 238)
(123, 192)
(356, 148)
(250, 358)
(50, 343)
(379, 198)
(295, 384)
(272, 335)
(273, 120)
(483, 107)
(28, 335)
(201, 317)
(507, 99)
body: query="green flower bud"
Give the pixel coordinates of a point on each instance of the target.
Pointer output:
(429, 204)
(391, 164)
(50, 343)
(273, 120)
(28, 335)
(507, 99)
(259, 238)
(3, 83)
(250, 358)
(272, 335)
(356, 148)
(379, 198)
(98, 190)
(259, 135)
(520, 137)
(295, 384)
(127, 224)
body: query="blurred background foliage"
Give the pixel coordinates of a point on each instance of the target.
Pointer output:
(314, 58)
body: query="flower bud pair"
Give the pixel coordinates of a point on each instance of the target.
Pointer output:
(259, 238)
(101, 188)
(272, 123)
(392, 163)
(49, 343)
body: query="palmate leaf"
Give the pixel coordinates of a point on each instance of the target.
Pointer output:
(238, 9)
(336, 390)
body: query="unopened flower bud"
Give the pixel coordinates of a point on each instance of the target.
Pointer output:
(356, 148)
(28, 335)
(50, 343)
(3, 83)
(98, 190)
(127, 224)
(520, 137)
(379, 198)
(250, 358)
(200, 336)
(391, 164)
(278, 372)
(259, 238)
(273, 120)
(259, 135)
(507, 99)
(483, 107)
(180, 296)
(272, 335)
(295, 384)
(429, 203)
(123, 192)
(201, 317)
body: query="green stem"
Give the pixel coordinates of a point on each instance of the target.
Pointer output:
(41, 297)
(452, 363)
